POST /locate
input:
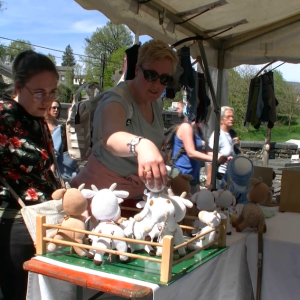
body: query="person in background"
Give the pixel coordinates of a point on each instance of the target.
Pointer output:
(25, 163)
(227, 141)
(190, 150)
(128, 152)
(67, 166)
(52, 115)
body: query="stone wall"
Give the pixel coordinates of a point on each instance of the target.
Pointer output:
(278, 150)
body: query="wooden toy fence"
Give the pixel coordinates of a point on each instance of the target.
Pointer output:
(168, 248)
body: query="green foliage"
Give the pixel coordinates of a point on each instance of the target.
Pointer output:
(68, 59)
(2, 52)
(115, 62)
(102, 45)
(52, 57)
(15, 48)
(65, 93)
(278, 133)
(69, 78)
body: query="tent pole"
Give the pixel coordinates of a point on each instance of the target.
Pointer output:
(216, 102)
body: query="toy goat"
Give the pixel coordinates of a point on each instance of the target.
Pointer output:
(105, 208)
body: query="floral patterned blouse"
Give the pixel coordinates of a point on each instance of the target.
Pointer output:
(25, 158)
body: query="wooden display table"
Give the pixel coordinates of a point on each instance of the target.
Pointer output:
(81, 279)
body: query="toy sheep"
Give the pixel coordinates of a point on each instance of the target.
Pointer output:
(74, 204)
(203, 200)
(224, 200)
(105, 208)
(212, 220)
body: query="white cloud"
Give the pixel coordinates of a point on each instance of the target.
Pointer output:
(85, 26)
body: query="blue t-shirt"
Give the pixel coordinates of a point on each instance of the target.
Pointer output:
(185, 164)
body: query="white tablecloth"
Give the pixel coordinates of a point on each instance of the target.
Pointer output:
(225, 277)
(281, 258)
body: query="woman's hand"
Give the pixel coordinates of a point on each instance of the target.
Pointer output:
(221, 159)
(151, 167)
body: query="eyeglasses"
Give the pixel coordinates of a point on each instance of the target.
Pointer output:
(40, 96)
(228, 117)
(151, 75)
(55, 107)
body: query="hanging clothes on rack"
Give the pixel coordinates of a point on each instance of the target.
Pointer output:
(204, 101)
(187, 78)
(131, 58)
(261, 106)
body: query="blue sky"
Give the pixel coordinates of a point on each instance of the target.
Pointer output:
(57, 23)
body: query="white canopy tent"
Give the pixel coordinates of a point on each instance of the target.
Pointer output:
(224, 33)
(260, 30)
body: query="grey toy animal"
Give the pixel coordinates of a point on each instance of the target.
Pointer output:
(252, 216)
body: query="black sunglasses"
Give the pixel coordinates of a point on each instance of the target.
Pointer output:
(151, 75)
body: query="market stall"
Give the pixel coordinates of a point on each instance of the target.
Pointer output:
(223, 34)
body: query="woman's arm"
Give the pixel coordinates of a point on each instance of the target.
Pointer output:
(116, 140)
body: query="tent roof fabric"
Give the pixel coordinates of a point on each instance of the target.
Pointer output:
(249, 32)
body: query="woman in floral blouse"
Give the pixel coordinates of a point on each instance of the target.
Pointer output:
(25, 162)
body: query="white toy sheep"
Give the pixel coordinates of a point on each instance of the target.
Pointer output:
(212, 220)
(105, 208)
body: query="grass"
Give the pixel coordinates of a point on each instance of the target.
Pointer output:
(279, 133)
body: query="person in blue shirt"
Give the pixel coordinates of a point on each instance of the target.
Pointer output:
(189, 149)
(67, 165)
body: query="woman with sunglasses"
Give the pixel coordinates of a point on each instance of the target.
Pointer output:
(25, 162)
(52, 115)
(129, 154)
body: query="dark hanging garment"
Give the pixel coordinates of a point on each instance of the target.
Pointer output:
(265, 96)
(187, 78)
(131, 57)
(254, 120)
(248, 111)
(204, 101)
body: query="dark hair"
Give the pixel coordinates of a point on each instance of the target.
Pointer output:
(29, 63)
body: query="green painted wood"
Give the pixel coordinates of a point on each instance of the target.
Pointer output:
(136, 268)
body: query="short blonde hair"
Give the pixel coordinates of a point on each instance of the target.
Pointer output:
(156, 50)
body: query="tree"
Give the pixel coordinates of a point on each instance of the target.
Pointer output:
(2, 52)
(286, 95)
(2, 8)
(16, 47)
(68, 59)
(116, 62)
(78, 73)
(103, 42)
(52, 57)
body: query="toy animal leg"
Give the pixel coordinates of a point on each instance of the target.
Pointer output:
(98, 258)
(262, 228)
(52, 246)
(149, 250)
(121, 246)
(238, 221)
(80, 251)
(158, 251)
(242, 226)
(178, 239)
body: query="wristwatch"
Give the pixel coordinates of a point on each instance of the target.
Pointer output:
(133, 143)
